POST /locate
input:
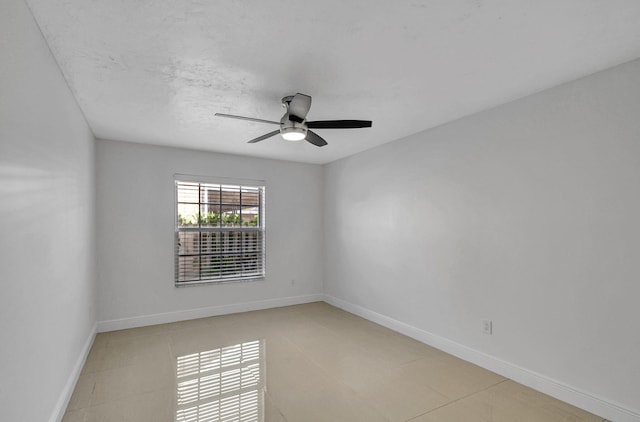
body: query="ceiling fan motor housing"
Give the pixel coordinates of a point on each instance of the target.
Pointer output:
(292, 131)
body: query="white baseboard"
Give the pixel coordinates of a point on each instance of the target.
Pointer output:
(605, 408)
(163, 318)
(65, 396)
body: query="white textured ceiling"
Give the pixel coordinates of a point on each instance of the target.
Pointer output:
(155, 71)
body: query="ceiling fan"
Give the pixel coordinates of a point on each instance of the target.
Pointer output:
(294, 125)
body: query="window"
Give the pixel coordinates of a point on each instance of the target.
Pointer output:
(219, 231)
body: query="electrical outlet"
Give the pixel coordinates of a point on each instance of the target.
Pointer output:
(487, 326)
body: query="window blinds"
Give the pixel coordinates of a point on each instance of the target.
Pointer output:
(219, 232)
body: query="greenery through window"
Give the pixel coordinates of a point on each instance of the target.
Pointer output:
(219, 232)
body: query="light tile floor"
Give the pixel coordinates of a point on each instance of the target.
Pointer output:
(302, 363)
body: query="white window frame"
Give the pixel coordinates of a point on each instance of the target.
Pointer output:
(260, 228)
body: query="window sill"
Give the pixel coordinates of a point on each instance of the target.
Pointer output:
(224, 281)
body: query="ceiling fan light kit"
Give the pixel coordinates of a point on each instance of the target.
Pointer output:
(293, 133)
(294, 125)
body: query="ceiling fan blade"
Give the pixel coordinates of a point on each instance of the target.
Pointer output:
(251, 119)
(315, 139)
(339, 124)
(299, 107)
(263, 137)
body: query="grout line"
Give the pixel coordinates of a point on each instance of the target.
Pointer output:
(458, 399)
(273, 403)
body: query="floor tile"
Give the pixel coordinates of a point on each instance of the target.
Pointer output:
(307, 363)
(507, 402)
(121, 352)
(123, 382)
(450, 376)
(399, 398)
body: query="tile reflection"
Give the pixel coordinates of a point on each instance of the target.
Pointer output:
(225, 384)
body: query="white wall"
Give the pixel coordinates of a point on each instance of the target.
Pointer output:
(47, 303)
(527, 214)
(135, 230)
